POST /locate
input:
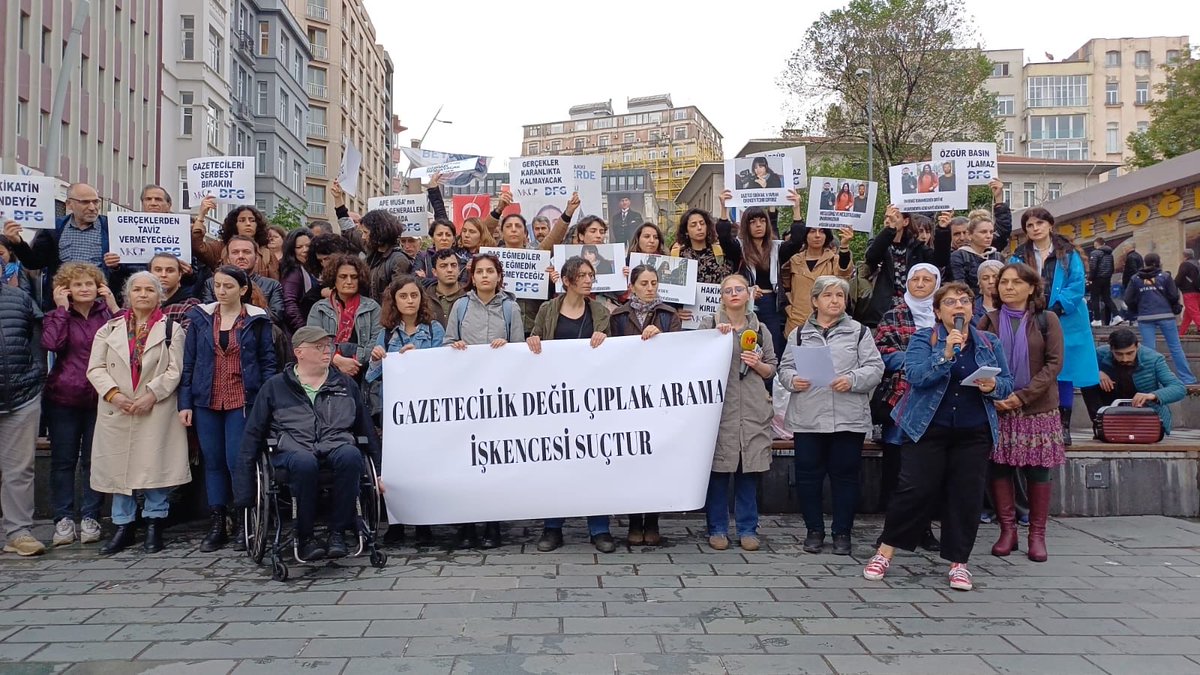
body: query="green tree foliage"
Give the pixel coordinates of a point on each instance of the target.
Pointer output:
(1174, 117)
(920, 62)
(287, 215)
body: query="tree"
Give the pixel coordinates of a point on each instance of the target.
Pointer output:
(287, 215)
(1174, 117)
(918, 64)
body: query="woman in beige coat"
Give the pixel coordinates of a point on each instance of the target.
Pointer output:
(139, 443)
(744, 437)
(821, 255)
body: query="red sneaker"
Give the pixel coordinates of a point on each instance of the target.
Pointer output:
(876, 568)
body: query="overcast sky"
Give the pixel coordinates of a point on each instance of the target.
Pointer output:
(497, 65)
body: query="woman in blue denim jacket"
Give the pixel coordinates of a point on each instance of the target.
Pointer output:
(408, 324)
(950, 426)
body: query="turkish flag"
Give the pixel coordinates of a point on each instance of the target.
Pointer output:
(470, 206)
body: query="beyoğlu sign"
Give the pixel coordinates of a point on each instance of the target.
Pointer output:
(1166, 204)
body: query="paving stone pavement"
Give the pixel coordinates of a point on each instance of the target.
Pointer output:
(1118, 595)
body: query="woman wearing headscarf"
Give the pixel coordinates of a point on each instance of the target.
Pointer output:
(892, 335)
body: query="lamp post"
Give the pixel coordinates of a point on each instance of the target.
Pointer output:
(421, 142)
(866, 72)
(70, 63)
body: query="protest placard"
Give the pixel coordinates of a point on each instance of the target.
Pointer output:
(465, 434)
(138, 237)
(758, 180)
(470, 164)
(542, 185)
(607, 259)
(419, 157)
(411, 210)
(980, 159)
(470, 206)
(676, 276)
(230, 180)
(841, 202)
(587, 181)
(708, 300)
(524, 271)
(799, 158)
(922, 187)
(27, 200)
(349, 169)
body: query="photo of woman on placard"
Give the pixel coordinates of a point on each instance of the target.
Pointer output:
(845, 199)
(602, 265)
(760, 177)
(927, 182)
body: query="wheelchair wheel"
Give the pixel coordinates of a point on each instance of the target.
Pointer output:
(279, 570)
(378, 558)
(258, 517)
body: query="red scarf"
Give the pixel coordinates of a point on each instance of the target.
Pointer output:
(137, 341)
(346, 312)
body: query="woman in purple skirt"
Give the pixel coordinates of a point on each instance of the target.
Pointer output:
(1030, 438)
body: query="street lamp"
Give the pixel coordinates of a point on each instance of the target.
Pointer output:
(70, 62)
(421, 142)
(866, 72)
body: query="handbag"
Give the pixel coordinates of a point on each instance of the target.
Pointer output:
(1120, 422)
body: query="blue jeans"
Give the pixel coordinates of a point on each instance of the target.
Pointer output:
(70, 446)
(1170, 333)
(839, 456)
(767, 311)
(303, 469)
(220, 434)
(596, 524)
(124, 507)
(745, 503)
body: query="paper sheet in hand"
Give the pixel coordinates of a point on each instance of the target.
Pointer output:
(982, 373)
(814, 364)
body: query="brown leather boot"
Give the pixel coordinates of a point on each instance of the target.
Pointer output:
(1004, 499)
(1039, 509)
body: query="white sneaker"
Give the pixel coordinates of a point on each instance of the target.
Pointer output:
(89, 531)
(1117, 321)
(64, 532)
(1096, 323)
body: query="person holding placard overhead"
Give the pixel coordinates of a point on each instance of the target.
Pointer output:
(956, 373)
(829, 421)
(486, 315)
(573, 315)
(759, 241)
(744, 436)
(1061, 266)
(893, 252)
(514, 234)
(245, 221)
(820, 254)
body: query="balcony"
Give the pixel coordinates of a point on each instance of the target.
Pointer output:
(318, 11)
(317, 90)
(315, 209)
(316, 170)
(319, 52)
(317, 130)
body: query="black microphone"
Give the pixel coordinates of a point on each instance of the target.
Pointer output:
(958, 326)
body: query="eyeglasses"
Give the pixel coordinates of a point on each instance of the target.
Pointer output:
(320, 347)
(733, 290)
(85, 202)
(956, 302)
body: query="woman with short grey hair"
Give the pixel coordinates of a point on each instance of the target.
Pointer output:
(829, 421)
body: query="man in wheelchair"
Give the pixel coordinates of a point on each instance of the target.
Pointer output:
(316, 413)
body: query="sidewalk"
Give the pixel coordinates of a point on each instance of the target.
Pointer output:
(1118, 595)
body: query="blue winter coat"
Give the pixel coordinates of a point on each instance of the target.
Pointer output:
(199, 355)
(928, 375)
(1079, 347)
(1151, 376)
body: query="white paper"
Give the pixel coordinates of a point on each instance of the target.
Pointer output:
(708, 300)
(457, 166)
(27, 201)
(524, 271)
(411, 210)
(542, 185)
(138, 237)
(348, 173)
(929, 186)
(230, 180)
(828, 205)
(676, 276)
(980, 159)
(813, 363)
(587, 180)
(799, 157)
(609, 263)
(982, 373)
(743, 182)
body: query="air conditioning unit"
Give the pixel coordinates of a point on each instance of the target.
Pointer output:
(1024, 138)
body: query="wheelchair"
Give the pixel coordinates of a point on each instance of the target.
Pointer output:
(264, 521)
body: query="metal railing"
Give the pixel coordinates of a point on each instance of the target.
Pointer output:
(318, 11)
(319, 51)
(317, 171)
(317, 90)
(318, 130)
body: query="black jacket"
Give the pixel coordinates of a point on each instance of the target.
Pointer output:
(621, 321)
(1133, 264)
(282, 411)
(879, 257)
(22, 362)
(1100, 264)
(1188, 278)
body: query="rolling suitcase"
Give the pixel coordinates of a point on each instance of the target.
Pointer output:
(1123, 423)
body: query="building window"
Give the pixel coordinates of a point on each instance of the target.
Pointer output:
(23, 32)
(186, 99)
(183, 189)
(533, 131)
(1005, 106)
(22, 113)
(604, 123)
(281, 166)
(1008, 143)
(264, 38)
(602, 141)
(581, 125)
(1141, 59)
(1058, 137)
(45, 46)
(295, 184)
(285, 47)
(1054, 191)
(285, 102)
(1057, 91)
(1008, 193)
(215, 51)
(556, 128)
(260, 166)
(1172, 55)
(533, 148)
(187, 29)
(555, 146)
(679, 114)
(213, 125)
(1143, 127)
(262, 106)
(1112, 59)
(679, 153)
(627, 157)
(580, 143)
(1112, 94)
(1000, 69)
(1112, 136)
(629, 137)
(43, 127)
(681, 133)
(297, 121)
(1029, 194)
(1141, 92)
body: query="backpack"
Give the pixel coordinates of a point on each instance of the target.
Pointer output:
(862, 332)
(506, 306)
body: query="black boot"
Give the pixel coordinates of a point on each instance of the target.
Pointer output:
(121, 539)
(1065, 415)
(424, 536)
(215, 539)
(491, 536)
(464, 537)
(237, 535)
(394, 536)
(154, 535)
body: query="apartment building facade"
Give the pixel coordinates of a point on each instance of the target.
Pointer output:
(110, 125)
